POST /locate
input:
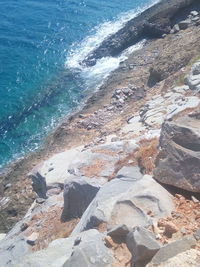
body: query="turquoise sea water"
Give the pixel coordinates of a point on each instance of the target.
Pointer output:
(41, 45)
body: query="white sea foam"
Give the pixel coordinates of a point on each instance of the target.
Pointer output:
(93, 75)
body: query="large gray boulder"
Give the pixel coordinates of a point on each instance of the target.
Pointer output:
(127, 200)
(78, 194)
(178, 162)
(85, 249)
(142, 245)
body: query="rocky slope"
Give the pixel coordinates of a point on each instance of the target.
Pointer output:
(118, 183)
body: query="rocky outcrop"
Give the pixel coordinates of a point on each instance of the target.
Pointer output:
(127, 200)
(178, 162)
(152, 23)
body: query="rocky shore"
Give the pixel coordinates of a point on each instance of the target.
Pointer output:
(118, 183)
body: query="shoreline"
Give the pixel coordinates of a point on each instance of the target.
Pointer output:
(71, 132)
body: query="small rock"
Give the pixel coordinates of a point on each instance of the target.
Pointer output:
(195, 19)
(40, 200)
(110, 108)
(176, 28)
(50, 169)
(2, 236)
(109, 242)
(32, 239)
(184, 24)
(24, 226)
(194, 13)
(170, 229)
(142, 245)
(194, 199)
(7, 186)
(197, 235)
(77, 241)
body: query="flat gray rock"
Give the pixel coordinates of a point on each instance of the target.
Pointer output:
(127, 201)
(89, 251)
(173, 249)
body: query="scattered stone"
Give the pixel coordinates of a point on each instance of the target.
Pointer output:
(173, 249)
(142, 245)
(32, 239)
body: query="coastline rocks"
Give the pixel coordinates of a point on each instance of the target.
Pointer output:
(164, 107)
(78, 194)
(69, 252)
(152, 23)
(178, 162)
(142, 245)
(127, 201)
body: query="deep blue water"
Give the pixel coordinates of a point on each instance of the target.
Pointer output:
(41, 44)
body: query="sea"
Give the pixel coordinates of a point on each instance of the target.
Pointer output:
(42, 80)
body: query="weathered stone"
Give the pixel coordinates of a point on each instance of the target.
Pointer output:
(178, 162)
(32, 239)
(172, 249)
(142, 245)
(91, 252)
(38, 183)
(63, 252)
(127, 201)
(185, 259)
(192, 81)
(78, 193)
(184, 24)
(176, 28)
(196, 68)
(194, 13)
(197, 235)
(119, 231)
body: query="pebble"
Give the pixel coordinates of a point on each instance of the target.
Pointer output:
(32, 239)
